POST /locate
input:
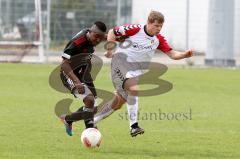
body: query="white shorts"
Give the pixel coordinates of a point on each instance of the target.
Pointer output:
(121, 70)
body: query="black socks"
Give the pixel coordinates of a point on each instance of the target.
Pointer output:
(82, 113)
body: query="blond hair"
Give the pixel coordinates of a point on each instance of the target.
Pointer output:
(155, 16)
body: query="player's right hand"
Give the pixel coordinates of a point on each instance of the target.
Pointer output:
(108, 54)
(80, 88)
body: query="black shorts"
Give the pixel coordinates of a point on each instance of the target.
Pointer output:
(68, 83)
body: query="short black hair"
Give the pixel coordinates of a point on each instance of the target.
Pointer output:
(101, 26)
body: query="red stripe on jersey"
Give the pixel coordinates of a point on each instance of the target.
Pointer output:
(127, 30)
(163, 45)
(80, 40)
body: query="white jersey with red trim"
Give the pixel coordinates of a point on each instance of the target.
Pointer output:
(138, 45)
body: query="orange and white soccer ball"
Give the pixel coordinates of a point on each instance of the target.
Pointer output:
(91, 137)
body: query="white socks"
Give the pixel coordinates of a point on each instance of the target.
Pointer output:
(103, 112)
(106, 110)
(132, 107)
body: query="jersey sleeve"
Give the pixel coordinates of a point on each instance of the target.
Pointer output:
(126, 30)
(69, 50)
(163, 45)
(72, 47)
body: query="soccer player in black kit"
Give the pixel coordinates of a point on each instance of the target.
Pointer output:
(75, 73)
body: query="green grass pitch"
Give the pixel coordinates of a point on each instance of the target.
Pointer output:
(29, 128)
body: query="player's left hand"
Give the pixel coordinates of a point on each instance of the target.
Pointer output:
(188, 53)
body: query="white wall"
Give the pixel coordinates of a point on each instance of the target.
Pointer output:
(175, 24)
(237, 28)
(175, 17)
(198, 24)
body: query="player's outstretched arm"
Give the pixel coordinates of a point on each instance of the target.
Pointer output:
(111, 36)
(178, 55)
(111, 39)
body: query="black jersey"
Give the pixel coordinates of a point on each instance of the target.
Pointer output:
(79, 51)
(79, 44)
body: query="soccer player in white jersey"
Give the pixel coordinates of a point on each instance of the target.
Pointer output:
(139, 43)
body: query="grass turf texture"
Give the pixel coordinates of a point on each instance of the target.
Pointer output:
(30, 129)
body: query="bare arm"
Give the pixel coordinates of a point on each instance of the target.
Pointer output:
(111, 39)
(66, 67)
(111, 36)
(177, 55)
